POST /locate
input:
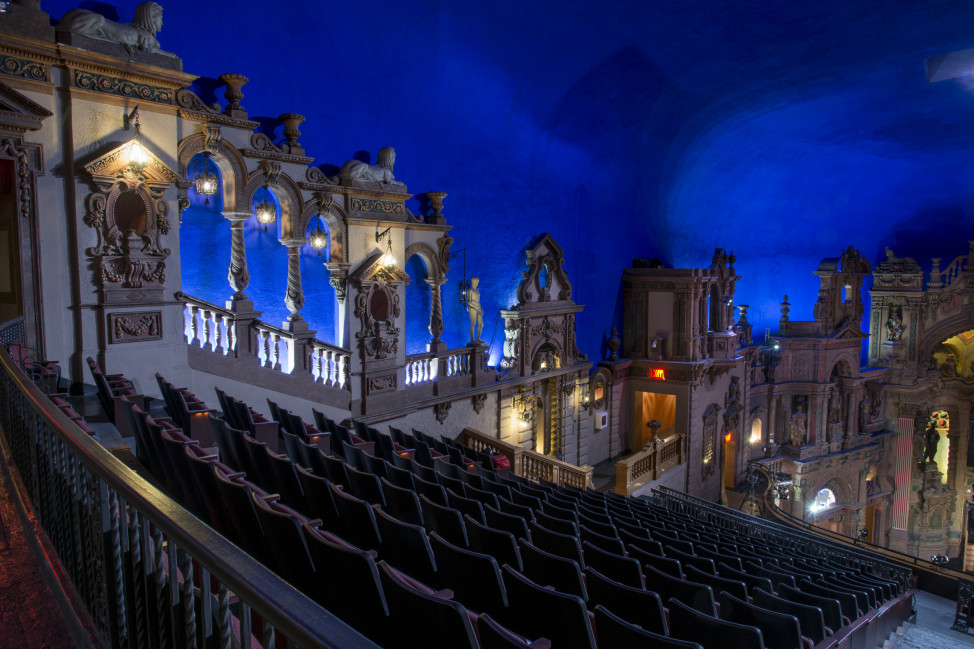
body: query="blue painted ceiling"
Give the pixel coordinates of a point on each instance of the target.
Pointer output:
(784, 131)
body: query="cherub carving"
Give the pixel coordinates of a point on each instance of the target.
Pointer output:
(140, 34)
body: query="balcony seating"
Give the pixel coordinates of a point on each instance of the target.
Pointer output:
(606, 543)
(616, 632)
(562, 545)
(111, 388)
(615, 566)
(474, 578)
(718, 584)
(634, 605)
(499, 544)
(810, 618)
(547, 569)
(406, 547)
(532, 608)
(750, 580)
(402, 503)
(512, 523)
(356, 520)
(699, 597)
(494, 636)
(778, 630)
(691, 624)
(445, 521)
(466, 506)
(666, 566)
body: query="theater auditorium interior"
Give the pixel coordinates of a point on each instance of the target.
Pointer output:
(523, 324)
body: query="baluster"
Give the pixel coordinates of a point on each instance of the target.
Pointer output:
(188, 596)
(268, 639)
(223, 618)
(231, 335)
(218, 327)
(162, 605)
(207, 331)
(266, 347)
(120, 632)
(328, 376)
(277, 353)
(193, 326)
(138, 578)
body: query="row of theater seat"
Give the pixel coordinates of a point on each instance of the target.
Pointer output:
(469, 510)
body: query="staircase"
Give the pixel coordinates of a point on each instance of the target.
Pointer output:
(911, 636)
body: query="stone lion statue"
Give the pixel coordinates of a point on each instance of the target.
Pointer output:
(140, 34)
(379, 172)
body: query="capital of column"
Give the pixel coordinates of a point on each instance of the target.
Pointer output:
(237, 217)
(436, 281)
(293, 243)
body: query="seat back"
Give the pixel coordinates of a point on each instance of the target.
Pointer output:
(406, 546)
(445, 521)
(547, 569)
(402, 503)
(614, 631)
(365, 486)
(778, 630)
(499, 544)
(751, 581)
(811, 618)
(620, 568)
(556, 543)
(512, 523)
(687, 623)
(494, 636)
(532, 608)
(635, 605)
(669, 567)
(719, 584)
(356, 520)
(474, 578)
(700, 597)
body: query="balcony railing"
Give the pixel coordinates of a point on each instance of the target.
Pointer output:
(149, 573)
(530, 464)
(226, 333)
(648, 464)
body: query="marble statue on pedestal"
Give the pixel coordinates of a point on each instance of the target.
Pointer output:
(475, 311)
(380, 172)
(140, 34)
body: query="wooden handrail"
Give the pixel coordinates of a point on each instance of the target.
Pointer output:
(24, 407)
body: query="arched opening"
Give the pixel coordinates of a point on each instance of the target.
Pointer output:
(11, 285)
(266, 259)
(954, 357)
(204, 237)
(756, 425)
(418, 303)
(320, 303)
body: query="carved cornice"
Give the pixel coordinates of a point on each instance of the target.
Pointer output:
(376, 206)
(121, 87)
(265, 149)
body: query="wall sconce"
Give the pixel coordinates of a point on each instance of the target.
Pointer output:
(388, 259)
(526, 402)
(586, 396)
(318, 238)
(138, 158)
(464, 284)
(266, 211)
(206, 183)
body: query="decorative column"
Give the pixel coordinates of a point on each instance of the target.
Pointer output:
(294, 299)
(238, 276)
(338, 278)
(436, 316)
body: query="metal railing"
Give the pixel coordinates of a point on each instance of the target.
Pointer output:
(150, 573)
(783, 536)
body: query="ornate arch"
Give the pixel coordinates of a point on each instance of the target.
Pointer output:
(839, 486)
(430, 257)
(847, 361)
(336, 220)
(233, 168)
(943, 330)
(288, 194)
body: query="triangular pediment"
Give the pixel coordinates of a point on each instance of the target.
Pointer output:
(18, 113)
(850, 333)
(115, 164)
(373, 270)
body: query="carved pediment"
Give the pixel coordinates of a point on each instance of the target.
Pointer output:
(372, 269)
(18, 113)
(545, 279)
(115, 164)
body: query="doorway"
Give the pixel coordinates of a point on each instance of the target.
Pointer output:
(11, 292)
(652, 406)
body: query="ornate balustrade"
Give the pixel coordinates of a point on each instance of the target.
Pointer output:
(149, 572)
(530, 464)
(235, 335)
(429, 367)
(648, 464)
(421, 368)
(958, 267)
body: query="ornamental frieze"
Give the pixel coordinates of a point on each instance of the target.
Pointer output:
(122, 87)
(381, 383)
(134, 327)
(23, 68)
(377, 207)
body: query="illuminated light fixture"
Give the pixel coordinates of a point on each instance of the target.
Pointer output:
(657, 373)
(586, 397)
(206, 183)
(318, 238)
(266, 211)
(388, 259)
(727, 438)
(464, 283)
(138, 157)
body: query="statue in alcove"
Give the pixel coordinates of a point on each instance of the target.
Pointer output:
(894, 323)
(140, 34)
(798, 419)
(380, 172)
(834, 428)
(932, 440)
(475, 311)
(865, 411)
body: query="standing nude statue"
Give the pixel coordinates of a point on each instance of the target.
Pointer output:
(475, 310)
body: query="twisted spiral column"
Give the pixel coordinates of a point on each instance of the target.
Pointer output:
(294, 300)
(238, 276)
(436, 310)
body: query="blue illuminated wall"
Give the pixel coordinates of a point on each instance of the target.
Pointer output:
(784, 131)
